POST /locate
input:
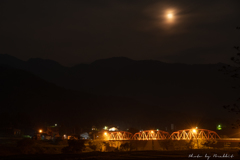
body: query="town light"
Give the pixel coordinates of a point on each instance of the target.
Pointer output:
(219, 127)
(194, 130)
(151, 131)
(40, 131)
(113, 129)
(105, 133)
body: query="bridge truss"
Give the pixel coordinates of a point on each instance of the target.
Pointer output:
(151, 135)
(120, 135)
(188, 134)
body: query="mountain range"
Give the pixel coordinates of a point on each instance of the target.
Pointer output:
(117, 90)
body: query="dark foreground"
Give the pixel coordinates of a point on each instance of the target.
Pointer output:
(169, 155)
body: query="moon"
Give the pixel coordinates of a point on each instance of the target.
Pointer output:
(169, 15)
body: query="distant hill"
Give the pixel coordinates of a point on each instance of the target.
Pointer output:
(194, 89)
(23, 93)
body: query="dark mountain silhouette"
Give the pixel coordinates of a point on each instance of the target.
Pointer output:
(23, 93)
(194, 89)
(115, 62)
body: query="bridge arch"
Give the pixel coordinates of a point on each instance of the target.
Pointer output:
(188, 134)
(120, 135)
(151, 135)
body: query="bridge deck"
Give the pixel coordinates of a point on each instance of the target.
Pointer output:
(229, 140)
(219, 140)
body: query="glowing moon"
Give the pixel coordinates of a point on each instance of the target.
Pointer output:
(170, 15)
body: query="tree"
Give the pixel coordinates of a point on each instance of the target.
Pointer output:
(234, 72)
(92, 146)
(26, 146)
(125, 147)
(74, 146)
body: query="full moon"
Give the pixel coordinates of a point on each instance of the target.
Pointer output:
(169, 15)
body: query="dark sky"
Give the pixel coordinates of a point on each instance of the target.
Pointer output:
(81, 31)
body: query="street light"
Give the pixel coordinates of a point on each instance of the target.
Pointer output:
(40, 131)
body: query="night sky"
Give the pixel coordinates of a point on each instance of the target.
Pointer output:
(74, 31)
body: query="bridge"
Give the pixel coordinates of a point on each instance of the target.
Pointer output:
(151, 135)
(121, 135)
(186, 134)
(162, 140)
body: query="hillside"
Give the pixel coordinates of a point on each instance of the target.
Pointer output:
(118, 88)
(23, 93)
(177, 87)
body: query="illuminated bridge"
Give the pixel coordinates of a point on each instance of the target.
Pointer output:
(159, 140)
(121, 135)
(151, 135)
(186, 134)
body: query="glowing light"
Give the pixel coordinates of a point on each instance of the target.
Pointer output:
(40, 131)
(151, 131)
(113, 129)
(170, 15)
(105, 133)
(55, 125)
(219, 127)
(194, 130)
(105, 127)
